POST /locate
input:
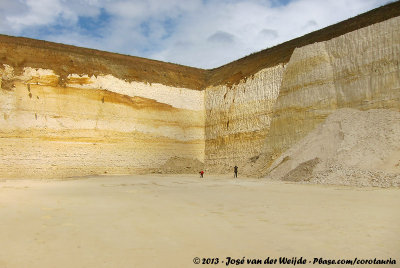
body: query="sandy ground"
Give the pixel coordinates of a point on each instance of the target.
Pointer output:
(166, 221)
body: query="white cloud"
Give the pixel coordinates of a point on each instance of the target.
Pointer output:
(255, 27)
(198, 33)
(36, 13)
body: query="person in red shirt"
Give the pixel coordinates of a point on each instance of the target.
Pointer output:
(201, 174)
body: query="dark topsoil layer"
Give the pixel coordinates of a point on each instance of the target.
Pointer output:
(21, 52)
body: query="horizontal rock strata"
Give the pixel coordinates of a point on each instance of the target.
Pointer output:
(69, 111)
(94, 125)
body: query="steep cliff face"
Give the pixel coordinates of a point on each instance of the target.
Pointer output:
(238, 118)
(94, 124)
(69, 111)
(359, 70)
(254, 122)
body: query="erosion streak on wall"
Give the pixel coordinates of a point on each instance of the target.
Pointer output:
(238, 118)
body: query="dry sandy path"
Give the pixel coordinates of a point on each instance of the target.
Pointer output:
(166, 221)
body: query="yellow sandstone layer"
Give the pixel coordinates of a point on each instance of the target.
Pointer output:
(69, 111)
(94, 125)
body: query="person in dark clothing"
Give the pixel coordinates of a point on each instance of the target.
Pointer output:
(201, 174)
(235, 170)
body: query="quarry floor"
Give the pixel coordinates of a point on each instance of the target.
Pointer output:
(168, 220)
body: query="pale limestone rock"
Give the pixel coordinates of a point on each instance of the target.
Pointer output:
(359, 69)
(238, 118)
(52, 131)
(95, 124)
(183, 98)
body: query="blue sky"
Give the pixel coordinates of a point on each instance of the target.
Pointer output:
(199, 33)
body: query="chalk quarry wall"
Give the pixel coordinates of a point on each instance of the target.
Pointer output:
(91, 124)
(238, 118)
(94, 125)
(254, 122)
(360, 70)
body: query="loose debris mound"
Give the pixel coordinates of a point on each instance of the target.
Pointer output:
(352, 147)
(181, 165)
